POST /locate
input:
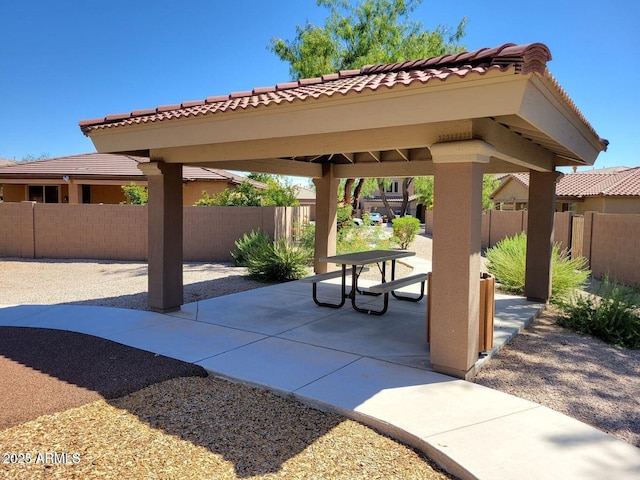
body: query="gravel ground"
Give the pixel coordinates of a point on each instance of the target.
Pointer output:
(577, 375)
(191, 428)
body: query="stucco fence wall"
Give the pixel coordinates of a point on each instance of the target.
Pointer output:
(610, 242)
(119, 232)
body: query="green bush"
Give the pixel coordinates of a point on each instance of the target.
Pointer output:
(136, 194)
(405, 230)
(278, 261)
(360, 238)
(611, 314)
(507, 261)
(304, 236)
(255, 241)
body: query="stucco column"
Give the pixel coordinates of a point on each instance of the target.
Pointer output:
(165, 235)
(75, 192)
(457, 232)
(542, 203)
(326, 217)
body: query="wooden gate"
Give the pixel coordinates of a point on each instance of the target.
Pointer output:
(577, 236)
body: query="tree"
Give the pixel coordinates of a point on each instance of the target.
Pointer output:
(279, 192)
(424, 191)
(367, 32)
(249, 195)
(357, 34)
(136, 194)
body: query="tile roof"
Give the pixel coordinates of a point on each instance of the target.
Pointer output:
(522, 59)
(106, 165)
(618, 181)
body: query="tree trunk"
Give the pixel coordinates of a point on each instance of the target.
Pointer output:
(348, 184)
(356, 193)
(405, 195)
(383, 197)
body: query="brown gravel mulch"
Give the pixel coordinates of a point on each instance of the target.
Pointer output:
(75, 406)
(44, 371)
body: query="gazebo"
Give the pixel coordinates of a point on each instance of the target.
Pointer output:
(456, 117)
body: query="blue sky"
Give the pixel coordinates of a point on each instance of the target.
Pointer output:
(66, 60)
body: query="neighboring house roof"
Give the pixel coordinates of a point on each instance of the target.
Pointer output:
(613, 181)
(4, 162)
(102, 165)
(303, 193)
(523, 58)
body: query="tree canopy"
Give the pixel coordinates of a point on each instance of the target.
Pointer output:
(277, 193)
(358, 33)
(362, 33)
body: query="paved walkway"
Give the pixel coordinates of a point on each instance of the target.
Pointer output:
(373, 369)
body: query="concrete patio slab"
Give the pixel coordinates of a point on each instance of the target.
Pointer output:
(278, 364)
(262, 311)
(364, 367)
(186, 340)
(100, 321)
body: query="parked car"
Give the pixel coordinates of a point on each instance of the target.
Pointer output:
(375, 218)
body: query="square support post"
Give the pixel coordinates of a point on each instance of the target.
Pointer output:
(542, 203)
(165, 250)
(326, 217)
(457, 225)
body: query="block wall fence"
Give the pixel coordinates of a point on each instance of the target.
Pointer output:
(119, 232)
(609, 241)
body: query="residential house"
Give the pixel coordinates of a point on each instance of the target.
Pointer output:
(307, 197)
(393, 193)
(4, 163)
(98, 178)
(607, 190)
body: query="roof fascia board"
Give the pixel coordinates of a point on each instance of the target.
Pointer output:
(543, 108)
(380, 139)
(495, 93)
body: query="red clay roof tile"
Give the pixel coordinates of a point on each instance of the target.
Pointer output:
(619, 181)
(526, 58)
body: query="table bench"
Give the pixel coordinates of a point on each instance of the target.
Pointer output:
(390, 287)
(314, 279)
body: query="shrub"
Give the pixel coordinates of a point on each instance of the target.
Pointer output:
(611, 314)
(278, 261)
(405, 230)
(136, 194)
(507, 261)
(255, 241)
(304, 236)
(357, 239)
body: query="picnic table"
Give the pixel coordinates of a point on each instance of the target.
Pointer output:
(358, 262)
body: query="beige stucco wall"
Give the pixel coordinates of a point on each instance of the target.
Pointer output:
(627, 205)
(113, 195)
(511, 192)
(119, 232)
(192, 191)
(13, 193)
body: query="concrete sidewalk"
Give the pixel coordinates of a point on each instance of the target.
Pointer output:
(373, 369)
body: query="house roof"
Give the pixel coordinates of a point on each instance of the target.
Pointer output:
(523, 59)
(613, 181)
(94, 165)
(4, 162)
